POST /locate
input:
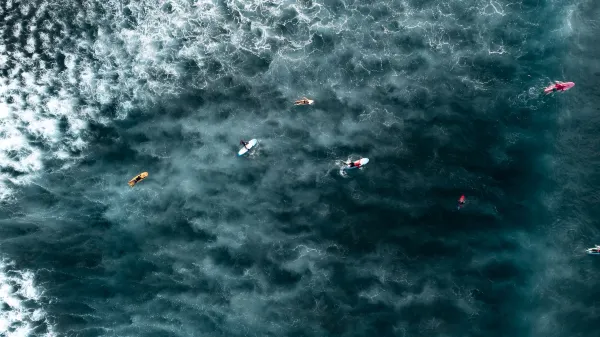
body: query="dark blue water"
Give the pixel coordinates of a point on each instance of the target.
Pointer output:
(442, 97)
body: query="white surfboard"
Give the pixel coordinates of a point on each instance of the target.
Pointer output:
(362, 162)
(246, 148)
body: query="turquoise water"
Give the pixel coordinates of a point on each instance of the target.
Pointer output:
(442, 97)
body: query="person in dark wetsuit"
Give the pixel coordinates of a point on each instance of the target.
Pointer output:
(136, 180)
(352, 164)
(303, 101)
(244, 143)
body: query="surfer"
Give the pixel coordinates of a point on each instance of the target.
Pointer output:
(246, 146)
(304, 101)
(558, 86)
(594, 251)
(138, 178)
(353, 164)
(461, 201)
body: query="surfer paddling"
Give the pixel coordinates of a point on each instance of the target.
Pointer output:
(353, 164)
(594, 251)
(304, 101)
(558, 86)
(246, 146)
(356, 164)
(138, 178)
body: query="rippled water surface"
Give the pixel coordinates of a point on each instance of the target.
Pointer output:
(443, 97)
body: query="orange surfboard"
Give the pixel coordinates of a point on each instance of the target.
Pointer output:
(138, 178)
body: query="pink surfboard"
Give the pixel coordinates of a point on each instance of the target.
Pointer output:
(565, 86)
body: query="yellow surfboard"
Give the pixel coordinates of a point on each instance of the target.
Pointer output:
(138, 178)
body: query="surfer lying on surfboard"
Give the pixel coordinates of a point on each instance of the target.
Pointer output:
(138, 178)
(352, 164)
(558, 86)
(247, 146)
(304, 101)
(356, 164)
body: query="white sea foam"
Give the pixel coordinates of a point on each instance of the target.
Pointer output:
(128, 63)
(21, 311)
(142, 49)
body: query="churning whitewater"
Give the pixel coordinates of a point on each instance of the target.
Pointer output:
(445, 98)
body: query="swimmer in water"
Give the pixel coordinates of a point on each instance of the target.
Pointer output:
(461, 201)
(138, 178)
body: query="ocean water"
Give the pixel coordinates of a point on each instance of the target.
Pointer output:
(443, 97)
